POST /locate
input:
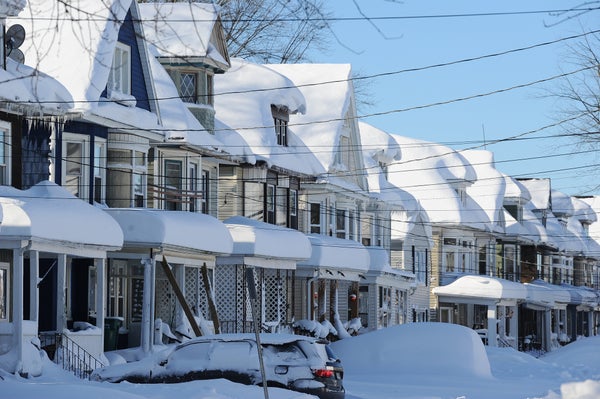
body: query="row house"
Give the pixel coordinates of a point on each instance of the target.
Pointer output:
(346, 224)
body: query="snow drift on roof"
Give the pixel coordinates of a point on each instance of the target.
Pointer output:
(243, 100)
(255, 238)
(482, 287)
(186, 231)
(539, 189)
(336, 253)
(47, 212)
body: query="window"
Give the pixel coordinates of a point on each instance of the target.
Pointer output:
(315, 218)
(120, 71)
(280, 121)
(99, 172)
(173, 184)
(378, 232)
(420, 268)
(270, 204)
(293, 209)
(117, 288)
(515, 211)
(193, 186)
(73, 164)
(510, 263)
(205, 191)
(281, 211)
(4, 294)
(204, 88)
(340, 223)
(188, 87)
(127, 179)
(4, 153)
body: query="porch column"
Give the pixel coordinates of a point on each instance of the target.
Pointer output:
(61, 284)
(147, 328)
(492, 321)
(100, 294)
(34, 294)
(590, 321)
(17, 301)
(546, 331)
(514, 325)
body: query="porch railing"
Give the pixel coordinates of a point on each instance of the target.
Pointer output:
(69, 355)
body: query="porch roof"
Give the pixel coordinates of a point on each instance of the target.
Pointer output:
(381, 272)
(485, 287)
(174, 230)
(255, 238)
(48, 214)
(543, 293)
(336, 253)
(581, 295)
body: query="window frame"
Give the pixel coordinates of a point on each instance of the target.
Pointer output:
(315, 216)
(84, 161)
(5, 154)
(5, 294)
(123, 70)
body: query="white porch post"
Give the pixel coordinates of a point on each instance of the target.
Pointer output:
(514, 325)
(492, 321)
(147, 329)
(61, 284)
(547, 330)
(100, 294)
(590, 322)
(18, 307)
(34, 294)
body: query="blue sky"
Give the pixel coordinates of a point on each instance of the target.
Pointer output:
(412, 43)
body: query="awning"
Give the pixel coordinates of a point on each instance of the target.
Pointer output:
(54, 220)
(266, 245)
(173, 231)
(381, 273)
(336, 258)
(484, 287)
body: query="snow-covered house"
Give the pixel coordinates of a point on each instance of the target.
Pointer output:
(337, 203)
(411, 241)
(260, 193)
(463, 240)
(52, 277)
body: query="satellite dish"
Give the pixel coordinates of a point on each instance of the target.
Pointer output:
(14, 37)
(17, 55)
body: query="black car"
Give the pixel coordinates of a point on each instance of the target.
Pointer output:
(300, 363)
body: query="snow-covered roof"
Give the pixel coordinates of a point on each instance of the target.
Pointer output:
(75, 45)
(540, 292)
(47, 214)
(428, 171)
(378, 146)
(74, 48)
(333, 257)
(515, 189)
(172, 230)
(259, 239)
(243, 99)
(180, 124)
(482, 287)
(581, 295)
(562, 203)
(489, 188)
(539, 190)
(583, 211)
(181, 30)
(24, 87)
(328, 91)
(380, 271)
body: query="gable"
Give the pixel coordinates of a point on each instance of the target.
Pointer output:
(128, 35)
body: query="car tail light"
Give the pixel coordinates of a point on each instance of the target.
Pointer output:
(323, 373)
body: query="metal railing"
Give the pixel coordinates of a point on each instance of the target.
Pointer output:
(65, 352)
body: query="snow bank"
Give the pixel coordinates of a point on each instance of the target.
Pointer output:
(577, 359)
(428, 349)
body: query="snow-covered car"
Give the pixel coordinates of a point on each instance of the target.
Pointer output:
(295, 362)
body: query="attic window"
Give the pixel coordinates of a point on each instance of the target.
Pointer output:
(119, 78)
(281, 117)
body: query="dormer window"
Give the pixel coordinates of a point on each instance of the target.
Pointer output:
(119, 78)
(281, 118)
(187, 87)
(195, 87)
(515, 211)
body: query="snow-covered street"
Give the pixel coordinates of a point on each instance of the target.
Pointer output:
(413, 361)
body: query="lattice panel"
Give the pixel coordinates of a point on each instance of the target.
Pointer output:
(192, 287)
(165, 300)
(275, 295)
(226, 281)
